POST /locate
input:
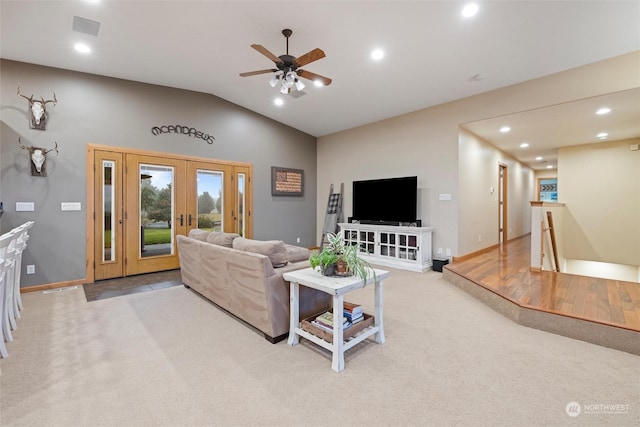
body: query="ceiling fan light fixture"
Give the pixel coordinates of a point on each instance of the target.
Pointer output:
(287, 68)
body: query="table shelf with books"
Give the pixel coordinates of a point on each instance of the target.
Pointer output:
(337, 337)
(327, 334)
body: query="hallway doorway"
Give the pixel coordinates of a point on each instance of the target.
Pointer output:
(502, 203)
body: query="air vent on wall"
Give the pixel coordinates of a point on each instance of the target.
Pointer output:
(86, 26)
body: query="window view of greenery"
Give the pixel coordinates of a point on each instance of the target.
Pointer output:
(156, 205)
(210, 207)
(209, 212)
(156, 209)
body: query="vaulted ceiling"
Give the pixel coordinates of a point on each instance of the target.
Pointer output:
(432, 54)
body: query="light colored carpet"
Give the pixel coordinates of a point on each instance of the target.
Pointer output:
(168, 357)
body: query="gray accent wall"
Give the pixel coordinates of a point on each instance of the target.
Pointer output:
(119, 113)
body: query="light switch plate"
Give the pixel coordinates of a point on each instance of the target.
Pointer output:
(71, 206)
(25, 207)
(445, 196)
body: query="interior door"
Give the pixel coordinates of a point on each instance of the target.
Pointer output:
(502, 203)
(155, 212)
(108, 221)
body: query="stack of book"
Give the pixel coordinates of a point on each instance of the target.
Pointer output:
(325, 321)
(353, 312)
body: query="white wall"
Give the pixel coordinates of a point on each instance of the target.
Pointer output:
(478, 169)
(426, 143)
(600, 185)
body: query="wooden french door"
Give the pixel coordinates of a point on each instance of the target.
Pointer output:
(155, 212)
(143, 201)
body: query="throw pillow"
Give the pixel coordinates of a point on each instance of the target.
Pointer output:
(198, 234)
(222, 239)
(297, 253)
(274, 249)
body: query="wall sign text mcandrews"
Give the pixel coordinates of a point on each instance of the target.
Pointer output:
(183, 130)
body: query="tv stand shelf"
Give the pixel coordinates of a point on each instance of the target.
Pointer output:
(405, 248)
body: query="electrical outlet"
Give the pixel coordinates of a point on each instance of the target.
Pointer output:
(448, 251)
(479, 237)
(439, 251)
(31, 269)
(298, 240)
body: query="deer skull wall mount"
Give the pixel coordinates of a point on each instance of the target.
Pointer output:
(38, 158)
(37, 110)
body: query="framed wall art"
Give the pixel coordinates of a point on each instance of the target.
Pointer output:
(287, 182)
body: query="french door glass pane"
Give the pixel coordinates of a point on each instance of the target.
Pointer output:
(108, 215)
(157, 209)
(241, 193)
(210, 200)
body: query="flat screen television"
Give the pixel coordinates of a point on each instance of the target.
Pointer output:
(385, 201)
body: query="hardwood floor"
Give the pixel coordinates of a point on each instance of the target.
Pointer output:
(505, 272)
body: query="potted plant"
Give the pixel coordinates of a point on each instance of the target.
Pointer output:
(338, 258)
(326, 260)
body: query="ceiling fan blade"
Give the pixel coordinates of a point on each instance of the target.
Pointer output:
(255, 73)
(266, 53)
(313, 76)
(309, 57)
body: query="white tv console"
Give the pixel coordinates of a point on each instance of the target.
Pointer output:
(405, 248)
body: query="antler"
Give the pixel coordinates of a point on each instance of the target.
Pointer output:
(27, 98)
(54, 100)
(22, 146)
(51, 149)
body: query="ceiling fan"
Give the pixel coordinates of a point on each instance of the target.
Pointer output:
(288, 67)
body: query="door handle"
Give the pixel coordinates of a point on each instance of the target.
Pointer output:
(190, 219)
(181, 220)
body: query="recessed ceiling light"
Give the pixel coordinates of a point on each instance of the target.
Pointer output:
(505, 129)
(82, 48)
(602, 135)
(278, 101)
(524, 145)
(549, 166)
(377, 54)
(318, 83)
(603, 111)
(470, 10)
(539, 158)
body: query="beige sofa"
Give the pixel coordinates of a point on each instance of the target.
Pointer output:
(244, 277)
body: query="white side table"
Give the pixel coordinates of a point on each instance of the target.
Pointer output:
(337, 287)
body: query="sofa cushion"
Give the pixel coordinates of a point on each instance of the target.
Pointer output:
(222, 239)
(297, 253)
(274, 249)
(198, 234)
